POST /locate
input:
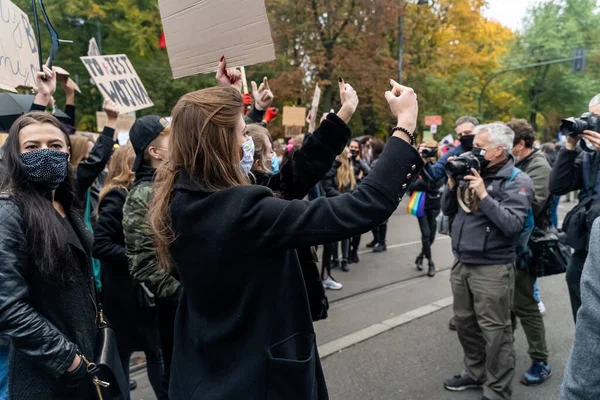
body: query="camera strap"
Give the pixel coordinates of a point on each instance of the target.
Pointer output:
(591, 189)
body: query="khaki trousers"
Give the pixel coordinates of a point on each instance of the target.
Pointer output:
(483, 298)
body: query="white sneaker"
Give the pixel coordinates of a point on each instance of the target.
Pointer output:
(542, 307)
(331, 284)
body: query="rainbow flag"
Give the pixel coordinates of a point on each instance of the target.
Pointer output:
(416, 205)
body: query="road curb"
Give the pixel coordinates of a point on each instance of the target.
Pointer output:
(337, 345)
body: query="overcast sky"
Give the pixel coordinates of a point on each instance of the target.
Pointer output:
(509, 12)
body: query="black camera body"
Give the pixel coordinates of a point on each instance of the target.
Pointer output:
(429, 152)
(461, 166)
(575, 126)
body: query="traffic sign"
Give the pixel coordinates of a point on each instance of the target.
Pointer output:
(579, 62)
(433, 120)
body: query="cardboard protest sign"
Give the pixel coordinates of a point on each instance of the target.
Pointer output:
(199, 32)
(18, 48)
(294, 116)
(124, 123)
(63, 76)
(93, 49)
(315, 109)
(117, 80)
(292, 131)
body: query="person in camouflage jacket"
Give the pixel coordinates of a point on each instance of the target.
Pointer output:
(149, 136)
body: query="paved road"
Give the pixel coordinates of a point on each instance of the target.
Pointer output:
(411, 361)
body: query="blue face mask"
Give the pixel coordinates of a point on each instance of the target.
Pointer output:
(275, 165)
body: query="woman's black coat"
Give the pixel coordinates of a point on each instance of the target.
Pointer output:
(135, 328)
(309, 163)
(243, 328)
(119, 297)
(47, 322)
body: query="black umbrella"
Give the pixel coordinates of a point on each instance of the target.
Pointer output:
(12, 106)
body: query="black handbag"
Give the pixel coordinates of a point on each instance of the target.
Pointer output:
(578, 222)
(547, 254)
(106, 372)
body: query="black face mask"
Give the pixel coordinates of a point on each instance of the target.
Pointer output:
(479, 153)
(466, 142)
(354, 153)
(47, 168)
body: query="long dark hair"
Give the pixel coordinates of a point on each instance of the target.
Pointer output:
(46, 236)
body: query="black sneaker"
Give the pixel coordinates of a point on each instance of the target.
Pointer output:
(132, 385)
(419, 262)
(371, 244)
(452, 324)
(354, 257)
(380, 247)
(460, 383)
(345, 267)
(431, 272)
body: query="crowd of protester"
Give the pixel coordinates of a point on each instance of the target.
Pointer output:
(175, 236)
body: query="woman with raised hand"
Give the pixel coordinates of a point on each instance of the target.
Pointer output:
(251, 335)
(47, 295)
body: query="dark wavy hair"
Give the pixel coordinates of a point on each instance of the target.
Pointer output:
(46, 236)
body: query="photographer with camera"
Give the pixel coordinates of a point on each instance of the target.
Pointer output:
(464, 128)
(490, 200)
(429, 191)
(575, 170)
(534, 163)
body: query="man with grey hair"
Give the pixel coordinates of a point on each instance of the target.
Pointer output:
(574, 170)
(484, 240)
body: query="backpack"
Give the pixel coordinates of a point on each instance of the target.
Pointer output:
(539, 251)
(523, 256)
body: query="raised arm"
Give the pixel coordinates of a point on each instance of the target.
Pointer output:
(293, 224)
(90, 169)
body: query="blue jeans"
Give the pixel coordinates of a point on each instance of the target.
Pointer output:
(536, 291)
(554, 210)
(4, 372)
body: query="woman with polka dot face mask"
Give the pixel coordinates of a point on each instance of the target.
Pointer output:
(47, 294)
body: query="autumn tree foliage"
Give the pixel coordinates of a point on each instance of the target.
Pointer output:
(450, 50)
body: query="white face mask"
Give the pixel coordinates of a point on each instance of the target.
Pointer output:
(248, 157)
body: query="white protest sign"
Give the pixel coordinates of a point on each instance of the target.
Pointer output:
(123, 138)
(18, 49)
(199, 32)
(315, 109)
(93, 49)
(117, 80)
(433, 129)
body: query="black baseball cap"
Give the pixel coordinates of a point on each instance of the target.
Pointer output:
(143, 132)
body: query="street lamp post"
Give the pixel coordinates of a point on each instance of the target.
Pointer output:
(401, 34)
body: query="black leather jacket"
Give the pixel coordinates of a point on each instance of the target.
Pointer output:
(46, 322)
